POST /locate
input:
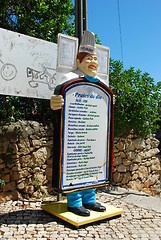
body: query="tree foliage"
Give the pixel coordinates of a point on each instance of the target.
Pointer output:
(38, 18)
(137, 100)
(14, 108)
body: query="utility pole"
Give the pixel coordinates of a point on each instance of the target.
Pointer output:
(80, 18)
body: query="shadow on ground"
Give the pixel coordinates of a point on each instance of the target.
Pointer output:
(38, 217)
(28, 216)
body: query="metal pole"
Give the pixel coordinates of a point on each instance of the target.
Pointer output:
(76, 18)
(84, 15)
(79, 19)
(59, 196)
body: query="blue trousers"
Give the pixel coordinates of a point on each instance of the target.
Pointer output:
(77, 199)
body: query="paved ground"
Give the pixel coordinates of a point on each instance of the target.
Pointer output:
(141, 220)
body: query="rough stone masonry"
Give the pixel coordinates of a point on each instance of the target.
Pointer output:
(26, 161)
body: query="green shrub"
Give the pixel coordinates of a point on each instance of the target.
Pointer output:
(137, 100)
(2, 183)
(20, 108)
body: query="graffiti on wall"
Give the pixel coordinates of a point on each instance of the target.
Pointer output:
(27, 65)
(8, 71)
(46, 76)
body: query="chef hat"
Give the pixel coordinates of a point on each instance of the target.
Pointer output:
(88, 43)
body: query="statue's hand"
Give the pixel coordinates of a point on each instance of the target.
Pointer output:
(114, 99)
(56, 102)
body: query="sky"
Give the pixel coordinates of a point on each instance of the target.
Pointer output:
(140, 27)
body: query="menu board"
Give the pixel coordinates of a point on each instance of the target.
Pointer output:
(85, 138)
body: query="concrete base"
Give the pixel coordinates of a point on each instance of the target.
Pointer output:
(59, 209)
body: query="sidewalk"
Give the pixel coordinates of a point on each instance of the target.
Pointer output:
(141, 219)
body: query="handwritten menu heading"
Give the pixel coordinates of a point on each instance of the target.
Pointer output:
(85, 135)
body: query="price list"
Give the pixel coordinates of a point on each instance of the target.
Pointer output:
(85, 145)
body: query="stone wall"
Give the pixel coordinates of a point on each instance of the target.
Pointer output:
(137, 164)
(26, 161)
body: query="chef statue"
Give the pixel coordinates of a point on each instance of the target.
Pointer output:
(81, 201)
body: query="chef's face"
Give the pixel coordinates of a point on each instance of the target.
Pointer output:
(88, 65)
